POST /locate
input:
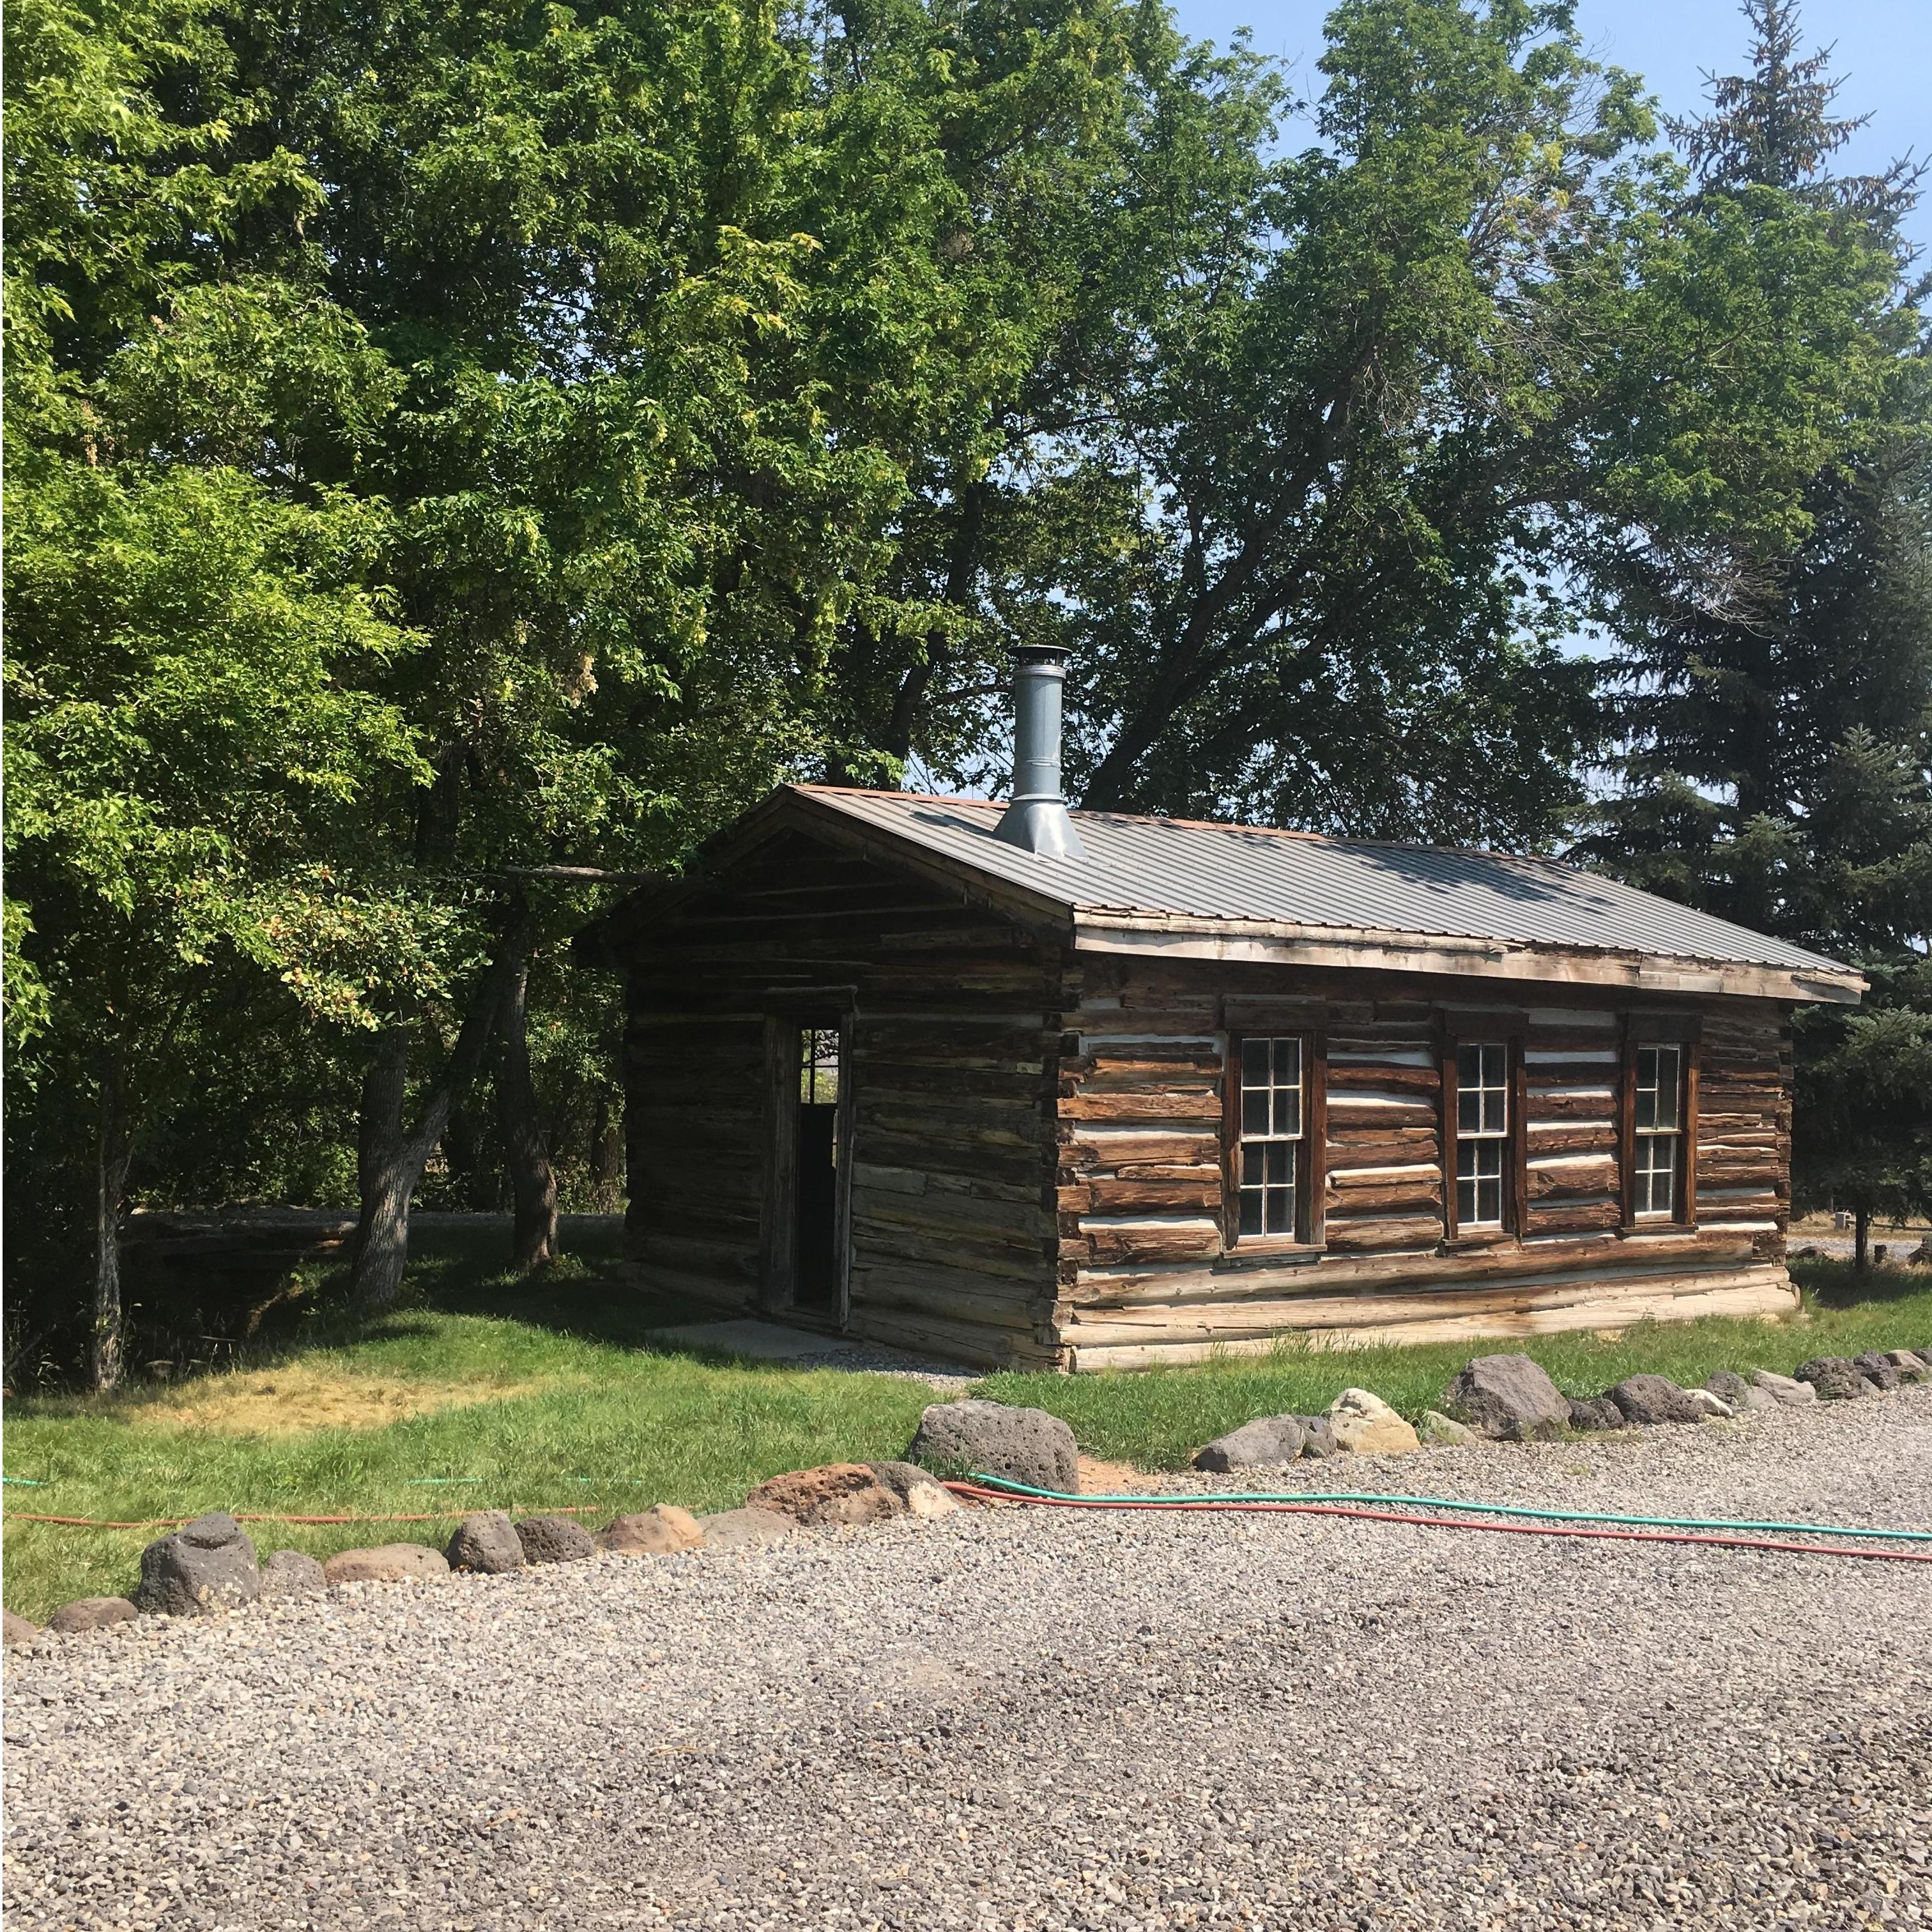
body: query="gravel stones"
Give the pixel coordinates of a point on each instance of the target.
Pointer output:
(289, 1573)
(486, 1541)
(91, 1613)
(1444, 1430)
(1785, 1391)
(388, 1563)
(1879, 1370)
(17, 1629)
(924, 1495)
(1836, 1377)
(1365, 1425)
(205, 1566)
(1263, 1444)
(1655, 1398)
(1195, 1723)
(663, 1530)
(1508, 1397)
(554, 1539)
(746, 1528)
(835, 1494)
(1023, 1445)
(1594, 1414)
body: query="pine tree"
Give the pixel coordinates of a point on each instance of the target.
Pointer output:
(1776, 729)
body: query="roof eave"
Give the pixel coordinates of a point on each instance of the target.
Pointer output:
(1452, 954)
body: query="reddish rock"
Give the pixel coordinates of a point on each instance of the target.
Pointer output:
(388, 1563)
(88, 1613)
(839, 1492)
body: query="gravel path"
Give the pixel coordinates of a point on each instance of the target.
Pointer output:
(1012, 1719)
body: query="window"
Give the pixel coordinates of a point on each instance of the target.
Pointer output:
(1660, 1130)
(818, 1066)
(1482, 1132)
(1268, 1153)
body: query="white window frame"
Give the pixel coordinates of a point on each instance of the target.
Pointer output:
(1273, 1135)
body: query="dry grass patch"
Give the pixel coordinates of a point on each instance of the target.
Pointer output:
(297, 1398)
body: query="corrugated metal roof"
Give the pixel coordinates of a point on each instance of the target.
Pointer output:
(1236, 874)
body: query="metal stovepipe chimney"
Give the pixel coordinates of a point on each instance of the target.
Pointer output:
(1037, 820)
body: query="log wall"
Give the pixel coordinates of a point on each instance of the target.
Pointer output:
(1145, 1274)
(955, 1017)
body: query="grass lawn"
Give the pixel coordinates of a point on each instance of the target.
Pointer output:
(484, 1392)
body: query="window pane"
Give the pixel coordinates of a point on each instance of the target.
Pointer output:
(1287, 1110)
(1255, 1110)
(1251, 1211)
(1288, 1061)
(1254, 1063)
(1280, 1163)
(1281, 1210)
(1668, 1081)
(1468, 1109)
(1254, 1163)
(1465, 1202)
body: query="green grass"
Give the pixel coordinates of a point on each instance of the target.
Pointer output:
(577, 1410)
(552, 1394)
(1157, 1418)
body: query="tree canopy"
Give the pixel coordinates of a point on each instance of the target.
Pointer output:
(453, 447)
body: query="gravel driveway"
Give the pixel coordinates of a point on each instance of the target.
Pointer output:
(1014, 1719)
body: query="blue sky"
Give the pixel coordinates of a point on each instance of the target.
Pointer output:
(1884, 50)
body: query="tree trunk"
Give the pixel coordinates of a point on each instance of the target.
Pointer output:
(607, 1155)
(113, 1149)
(1861, 1238)
(391, 1154)
(533, 1180)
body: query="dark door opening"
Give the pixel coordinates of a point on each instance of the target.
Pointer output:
(815, 1252)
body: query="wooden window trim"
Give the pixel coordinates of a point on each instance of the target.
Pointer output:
(1686, 1033)
(1311, 1180)
(1509, 1031)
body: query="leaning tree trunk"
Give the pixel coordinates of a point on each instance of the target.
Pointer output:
(113, 1150)
(1861, 1238)
(391, 1152)
(526, 1153)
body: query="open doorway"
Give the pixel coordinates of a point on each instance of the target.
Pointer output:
(815, 1256)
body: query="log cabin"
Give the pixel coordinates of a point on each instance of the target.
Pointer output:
(1025, 1087)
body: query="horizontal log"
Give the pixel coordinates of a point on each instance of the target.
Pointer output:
(1545, 1137)
(1537, 1259)
(977, 1254)
(1154, 1106)
(1344, 1236)
(1571, 1174)
(1401, 1200)
(1120, 1242)
(1365, 1148)
(1351, 1110)
(1573, 1218)
(973, 1342)
(1082, 1146)
(1347, 1079)
(1763, 1291)
(1123, 1195)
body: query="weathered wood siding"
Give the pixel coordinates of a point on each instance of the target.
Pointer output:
(1144, 1274)
(955, 1016)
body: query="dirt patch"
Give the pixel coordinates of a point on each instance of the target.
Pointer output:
(1097, 1477)
(293, 1401)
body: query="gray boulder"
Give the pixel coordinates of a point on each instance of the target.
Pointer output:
(289, 1573)
(554, 1539)
(746, 1528)
(1655, 1398)
(1317, 1438)
(1782, 1390)
(1507, 1397)
(1444, 1430)
(924, 1495)
(1263, 1444)
(1879, 1370)
(91, 1613)
(1023, 1445)
(1836, 1377)
(1912, 1368)
(1731, 1389)
(1593, 1414)
(206, 1565)
(486, 1541)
